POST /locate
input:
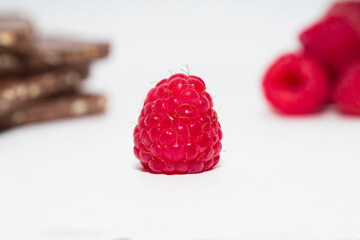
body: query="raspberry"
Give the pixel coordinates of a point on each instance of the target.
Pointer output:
(334, 40)
(347, 91)
(178, 129)
(296, 84)
(346, 9)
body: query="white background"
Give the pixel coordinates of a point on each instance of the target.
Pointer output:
(278, 178)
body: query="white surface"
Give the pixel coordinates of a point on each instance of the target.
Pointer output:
(279, 178)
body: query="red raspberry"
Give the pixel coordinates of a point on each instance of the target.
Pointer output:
(347, 92)
(334, 40)
(296, 84)
(346, 9)
(178, 129)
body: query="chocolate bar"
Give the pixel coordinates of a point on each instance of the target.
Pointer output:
(51, 53)
(17, 92)
(16, 34)
(59, 52)
(67, 106)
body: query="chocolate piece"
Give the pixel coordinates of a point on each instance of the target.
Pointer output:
(17, 92)
(51, 53)
(59, 52)
(68, 106)
(11, 63)
(16, 34)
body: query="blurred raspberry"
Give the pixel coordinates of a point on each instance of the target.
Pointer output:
(349, 10)
(296, 84)
(334, 40)
(347, 92)
(178, 129)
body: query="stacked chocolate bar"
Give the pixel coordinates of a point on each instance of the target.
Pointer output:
(40, 78)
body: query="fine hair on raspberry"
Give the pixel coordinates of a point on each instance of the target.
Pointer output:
(178, 131)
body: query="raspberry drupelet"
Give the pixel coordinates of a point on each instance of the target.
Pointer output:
(178, 130)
